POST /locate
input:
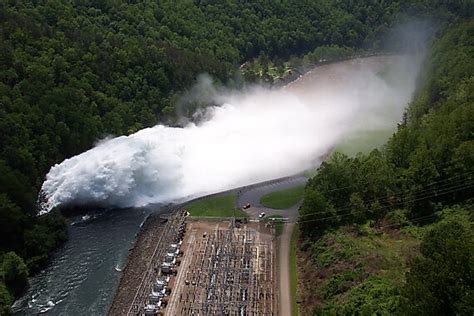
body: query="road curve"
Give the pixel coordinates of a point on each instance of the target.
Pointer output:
(253, 194)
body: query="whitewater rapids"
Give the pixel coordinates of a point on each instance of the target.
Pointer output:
(254, 135)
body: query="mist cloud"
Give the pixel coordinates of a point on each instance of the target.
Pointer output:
(254, 135)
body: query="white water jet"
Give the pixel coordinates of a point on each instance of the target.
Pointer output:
(255, 135)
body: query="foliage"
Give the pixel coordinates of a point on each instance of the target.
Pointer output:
(283, 199)
(314, 205)
(426, 162)
(264, 70)
(352, 273)
(398, 217)
(441, 281)
(14, 273)
(32, 238)
(338, 283)
(462, 214)
(374, 296)
(5, 300)
(45, 235)
(333, 248)
(73, 72)
(419, 185)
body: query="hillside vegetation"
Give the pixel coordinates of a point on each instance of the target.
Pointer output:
(392, 231)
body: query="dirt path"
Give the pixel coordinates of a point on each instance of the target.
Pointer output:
(284, 269)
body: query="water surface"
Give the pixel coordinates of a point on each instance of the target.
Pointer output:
(82, 276)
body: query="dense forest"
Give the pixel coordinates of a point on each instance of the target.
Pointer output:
(397, 225)
(73, 72)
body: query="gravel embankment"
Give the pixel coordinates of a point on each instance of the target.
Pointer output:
(137, 263)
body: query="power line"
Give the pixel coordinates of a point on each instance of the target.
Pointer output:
(416, 219)
(381, 208)
(429, 184)
(401, 194)
(392, 196)
(447, 191)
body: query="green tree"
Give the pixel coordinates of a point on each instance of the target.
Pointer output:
(358, 208)
(5, 300)
(14, 273)
(12, 225)
(441, 281)
(316, 213)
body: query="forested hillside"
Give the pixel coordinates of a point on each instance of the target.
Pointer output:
(73, 72)
(363, 217)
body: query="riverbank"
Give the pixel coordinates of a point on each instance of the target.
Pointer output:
(137, 263)
(82, 275)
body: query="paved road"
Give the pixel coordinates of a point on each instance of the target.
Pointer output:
(253, 194)
(284, 269)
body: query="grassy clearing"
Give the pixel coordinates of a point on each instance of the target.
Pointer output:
(216, 206)
(284, 198)
(278, 223)
(294, 271)
(364, 141)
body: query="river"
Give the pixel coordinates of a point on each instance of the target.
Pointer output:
(82, 276)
